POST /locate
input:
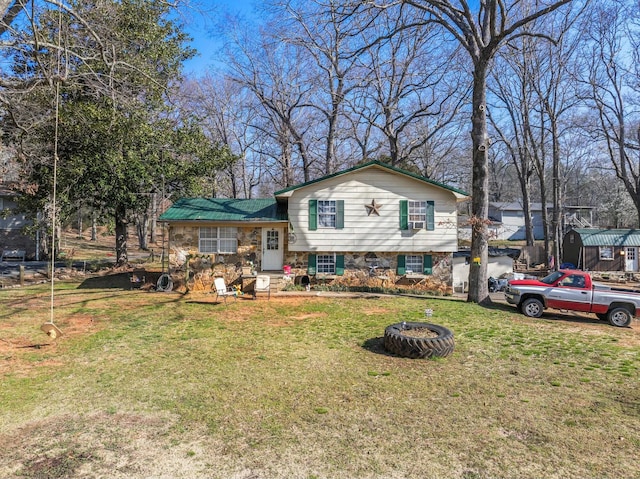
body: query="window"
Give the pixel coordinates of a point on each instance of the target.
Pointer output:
(417, 211)
(273, 240)
(606, 252)
(413, 264)
(228, 240)
(218, 240)
(416, 264)
(326, 263)
(326, 214)
(574, 281)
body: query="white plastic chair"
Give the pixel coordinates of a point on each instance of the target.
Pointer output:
(263, 285)
(222, 290)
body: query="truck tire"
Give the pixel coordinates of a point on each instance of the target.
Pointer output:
(620, 317)
(415, 347)
(532, 307)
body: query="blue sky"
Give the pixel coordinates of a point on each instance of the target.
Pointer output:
(200, 24)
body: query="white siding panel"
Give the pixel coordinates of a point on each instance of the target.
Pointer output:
(363, 233)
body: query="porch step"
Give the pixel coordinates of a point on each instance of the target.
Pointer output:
(277, 282)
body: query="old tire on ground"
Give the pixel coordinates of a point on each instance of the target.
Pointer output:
(165, 283)
(418, 347)
(532, 307)
(620, 317)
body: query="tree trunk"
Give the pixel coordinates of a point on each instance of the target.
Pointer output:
(94, 227)
(557, 197)
(478, 288)
(142, 228)
(526, 206)
(80, 222)
(121, 235)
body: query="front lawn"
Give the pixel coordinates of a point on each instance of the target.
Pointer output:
(164, 385)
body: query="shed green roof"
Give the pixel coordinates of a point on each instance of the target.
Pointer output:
(225, 209)
(608, 237)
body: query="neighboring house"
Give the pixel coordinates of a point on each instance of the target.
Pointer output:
(594, 249)
(12, 225)
(370, 220)
(507, 220)
(500, 263)
(510, 216)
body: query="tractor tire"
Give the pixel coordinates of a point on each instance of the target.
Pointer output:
(416, 347)
(532, 308)
(620, 317)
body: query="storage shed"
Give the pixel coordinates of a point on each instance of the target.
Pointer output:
(593, 249)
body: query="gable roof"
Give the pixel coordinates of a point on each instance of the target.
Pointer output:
(608, 237)
(459, 194)
(534, 206)
(225, 209)
(515, 206)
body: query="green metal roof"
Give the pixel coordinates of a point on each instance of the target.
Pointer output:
(379, 165)
(225, 209)
(608, 237)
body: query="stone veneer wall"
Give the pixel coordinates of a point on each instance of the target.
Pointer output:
(358, 272)
(203, 268)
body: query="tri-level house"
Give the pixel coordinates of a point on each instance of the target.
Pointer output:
(369, 221)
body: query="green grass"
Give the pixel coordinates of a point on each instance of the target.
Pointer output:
(147, 384)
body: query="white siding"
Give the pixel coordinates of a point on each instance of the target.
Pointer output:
(373, 233)
(497, 266)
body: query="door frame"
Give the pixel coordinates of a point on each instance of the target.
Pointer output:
(634, 254)
(276, 257)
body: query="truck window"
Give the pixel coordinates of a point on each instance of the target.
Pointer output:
(573, 280)
(553, 277)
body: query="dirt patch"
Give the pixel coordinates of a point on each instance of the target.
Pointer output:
(20, 355)
(376, 311)
(98, 445)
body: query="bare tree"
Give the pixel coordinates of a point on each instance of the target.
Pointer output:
(225, 111)
(315, 27)
(413, 81)
(482, 31)
(612, 88)
(275, 72)
(513, 93)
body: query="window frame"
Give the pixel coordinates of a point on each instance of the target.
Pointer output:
(329, 266)
(411, 258)
(224, 235)
(323, 215)
(420, 215)
(408, 213)
(606, 253)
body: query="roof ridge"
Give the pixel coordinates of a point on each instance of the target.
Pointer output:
(369, 164)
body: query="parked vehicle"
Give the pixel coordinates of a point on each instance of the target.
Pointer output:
(574, 290)
(497, 284)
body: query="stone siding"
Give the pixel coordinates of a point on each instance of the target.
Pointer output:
(361, 270)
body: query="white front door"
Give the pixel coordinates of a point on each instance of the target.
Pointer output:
(631, 259)
(272, 244)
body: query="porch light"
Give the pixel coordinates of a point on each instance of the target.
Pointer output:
(622, 253)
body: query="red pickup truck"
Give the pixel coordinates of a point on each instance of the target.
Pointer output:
(573, 290)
